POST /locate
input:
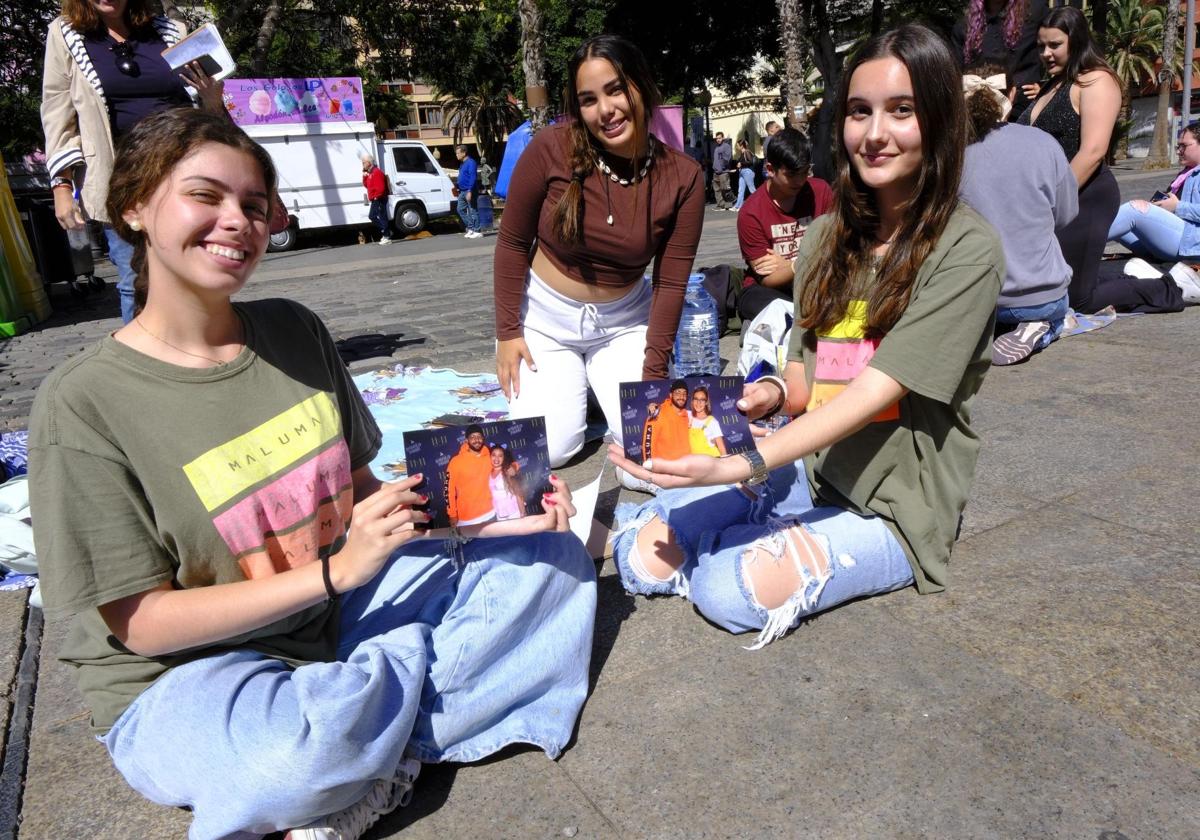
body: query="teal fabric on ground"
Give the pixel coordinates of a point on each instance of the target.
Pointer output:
(403, 398)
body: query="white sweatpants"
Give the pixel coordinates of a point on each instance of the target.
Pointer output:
(576, 345)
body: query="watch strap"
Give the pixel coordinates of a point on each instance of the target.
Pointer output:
(758, 467)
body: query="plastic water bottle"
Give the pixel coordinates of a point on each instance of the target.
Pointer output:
(697, 352)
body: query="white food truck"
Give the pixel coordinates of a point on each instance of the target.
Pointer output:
(319, 161)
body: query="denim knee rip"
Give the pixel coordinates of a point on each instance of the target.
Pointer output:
(778, 621)
(681, 506)
(634, 577)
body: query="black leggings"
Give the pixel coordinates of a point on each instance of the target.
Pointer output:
(1082, 244)
(754, 299)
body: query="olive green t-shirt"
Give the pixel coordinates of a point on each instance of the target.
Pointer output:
(143, 472)
(914, 462)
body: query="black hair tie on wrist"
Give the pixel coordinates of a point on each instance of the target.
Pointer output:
(329, 590)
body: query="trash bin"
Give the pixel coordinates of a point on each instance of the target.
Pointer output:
(483, 206)
(60, 258)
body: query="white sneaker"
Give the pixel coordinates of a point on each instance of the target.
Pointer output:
(386, 796)
(385, 240)
(1188, 281)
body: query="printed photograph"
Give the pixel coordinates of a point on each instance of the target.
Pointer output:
(670, 418)
(481, 472)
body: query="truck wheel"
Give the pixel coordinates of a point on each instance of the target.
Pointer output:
(410, 218)
(285, 240)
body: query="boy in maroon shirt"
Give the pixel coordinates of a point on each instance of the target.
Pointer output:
(774, 218)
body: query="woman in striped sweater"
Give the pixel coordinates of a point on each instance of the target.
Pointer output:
(103, 72)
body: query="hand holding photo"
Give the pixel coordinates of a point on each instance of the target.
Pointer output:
(663, 418)
(483, 472)
(206, 47)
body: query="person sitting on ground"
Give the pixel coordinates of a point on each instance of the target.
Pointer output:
(1168, 229)
(260, 632)
(704, 431)
(1019, 179)
(894, 316)
(774, 219)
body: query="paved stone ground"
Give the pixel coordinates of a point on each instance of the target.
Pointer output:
(1051, 692)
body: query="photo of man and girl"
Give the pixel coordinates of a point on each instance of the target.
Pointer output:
(481, 472)
(670, 419)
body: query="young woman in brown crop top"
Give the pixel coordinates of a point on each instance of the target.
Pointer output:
(594, 202)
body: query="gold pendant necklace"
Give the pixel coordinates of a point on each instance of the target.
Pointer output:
(159, 338)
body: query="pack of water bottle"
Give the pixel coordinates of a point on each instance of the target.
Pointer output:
(697, 347)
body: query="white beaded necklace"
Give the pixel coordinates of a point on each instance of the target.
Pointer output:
(625, 182)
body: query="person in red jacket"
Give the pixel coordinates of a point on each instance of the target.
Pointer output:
(376, 183)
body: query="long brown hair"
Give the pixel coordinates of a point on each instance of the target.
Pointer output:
(82, 16)
(1083, 53)
(846, 248)
(634, 74)
(147, 154)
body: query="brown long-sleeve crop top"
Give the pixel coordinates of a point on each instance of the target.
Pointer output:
(655, 219)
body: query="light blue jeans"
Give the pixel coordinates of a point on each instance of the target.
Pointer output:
(745, 185)
(120, 253)
(438, 662)
(1156, 233)
(1054, 312)
(720, 530)
(467, 212)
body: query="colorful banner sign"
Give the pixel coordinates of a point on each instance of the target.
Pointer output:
(292, 101)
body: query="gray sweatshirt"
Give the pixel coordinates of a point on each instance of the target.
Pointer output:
(1018, 179)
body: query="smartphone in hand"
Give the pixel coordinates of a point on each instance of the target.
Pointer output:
(1159, 195)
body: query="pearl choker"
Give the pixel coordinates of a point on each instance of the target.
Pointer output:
(625, 182)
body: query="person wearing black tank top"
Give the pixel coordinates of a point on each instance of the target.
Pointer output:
(1078, 106)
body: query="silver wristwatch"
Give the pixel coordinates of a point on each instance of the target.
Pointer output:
(758, 467)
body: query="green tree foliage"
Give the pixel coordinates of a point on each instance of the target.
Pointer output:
(1135, 31)
(23, 25)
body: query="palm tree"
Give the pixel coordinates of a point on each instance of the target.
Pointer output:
(489, 114)
(793, 60)
(1135, 33)
(1166, 79)
(533, 63)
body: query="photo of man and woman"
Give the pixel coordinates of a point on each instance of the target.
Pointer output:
(480, 473)
(672, 418)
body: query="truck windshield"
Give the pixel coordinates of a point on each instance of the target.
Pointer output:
(409, 159)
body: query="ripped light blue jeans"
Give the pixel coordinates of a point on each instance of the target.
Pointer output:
(721, 530)
(436, 662)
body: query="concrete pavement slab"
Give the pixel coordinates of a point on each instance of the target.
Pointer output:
(863, 726)
(72, 788)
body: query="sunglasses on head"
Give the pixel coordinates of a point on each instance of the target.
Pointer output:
(125, 61)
